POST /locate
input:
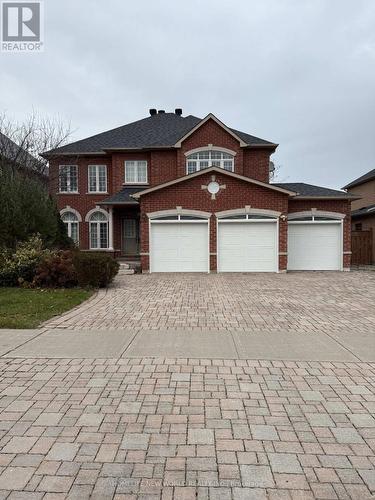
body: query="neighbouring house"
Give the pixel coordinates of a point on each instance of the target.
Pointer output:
(363, 214)
(19, 159)
(183, 193)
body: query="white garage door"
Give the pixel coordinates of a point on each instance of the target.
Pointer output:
(179, 247)
(314, 246)
(247, 246)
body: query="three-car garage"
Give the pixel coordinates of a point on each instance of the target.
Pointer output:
(245, 242)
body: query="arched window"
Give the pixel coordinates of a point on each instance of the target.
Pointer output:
(98, 230)
(70, 220)
(209, 158)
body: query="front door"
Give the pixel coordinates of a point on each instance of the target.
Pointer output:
(130, 236)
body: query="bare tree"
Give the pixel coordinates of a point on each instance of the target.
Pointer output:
(26, 207)
(275, 171)
(21, 144)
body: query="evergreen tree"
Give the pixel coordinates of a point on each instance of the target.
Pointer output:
(26, 209)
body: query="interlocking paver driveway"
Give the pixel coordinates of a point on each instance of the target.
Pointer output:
(303, 302)
(185, 429)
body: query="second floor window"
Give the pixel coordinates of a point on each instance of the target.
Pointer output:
(68, 179)
(210, 158)
(136, 172)
(97, 178)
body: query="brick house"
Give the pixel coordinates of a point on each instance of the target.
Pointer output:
(190, 194)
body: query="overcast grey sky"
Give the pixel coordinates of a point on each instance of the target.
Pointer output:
(297, 72)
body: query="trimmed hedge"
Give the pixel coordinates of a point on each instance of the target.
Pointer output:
(56, 271)
(94, 269)
(31, 265)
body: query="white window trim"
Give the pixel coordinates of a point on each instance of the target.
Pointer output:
(179, 211)
(247, 210)
(70, 209)
(69, 223)
(136, 163)
(87, 219)
(96, 209)
(97, 178)
(316, 213)
(68, 192)
(209, 148)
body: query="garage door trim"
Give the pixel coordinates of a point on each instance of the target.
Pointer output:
(272, 219)
(338, 221)
(160, 217)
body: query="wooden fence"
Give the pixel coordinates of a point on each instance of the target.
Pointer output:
(361, 247)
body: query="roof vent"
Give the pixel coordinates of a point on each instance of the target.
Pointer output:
(161, 111)
(152, 111)
(178, 111)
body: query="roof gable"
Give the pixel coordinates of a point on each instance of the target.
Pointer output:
(219, 171)
(210, 116)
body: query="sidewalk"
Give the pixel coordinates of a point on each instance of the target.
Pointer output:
(286, 346)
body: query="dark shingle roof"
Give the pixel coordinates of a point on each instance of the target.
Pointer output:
(313, 191)
(370, 210)
(123, 197)
(364, 178)
(158, 131)
(10, 151)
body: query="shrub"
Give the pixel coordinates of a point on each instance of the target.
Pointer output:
(95, 269)
(56, 270)
(21, 265)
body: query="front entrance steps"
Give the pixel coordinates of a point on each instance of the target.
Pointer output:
(125, 269)
(129, 266)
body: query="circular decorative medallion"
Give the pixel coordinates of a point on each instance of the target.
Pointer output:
(213, 187)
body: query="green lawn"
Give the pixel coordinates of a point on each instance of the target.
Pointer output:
(21, 308)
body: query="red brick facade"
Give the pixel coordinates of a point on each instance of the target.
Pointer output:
(190, 195)
(164, 165)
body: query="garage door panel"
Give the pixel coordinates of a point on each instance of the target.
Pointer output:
(314, 247)
(247, 247)
(179, 247)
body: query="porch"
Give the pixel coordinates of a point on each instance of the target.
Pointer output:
(123, 224)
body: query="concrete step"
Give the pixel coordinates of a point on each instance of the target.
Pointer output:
(125, 271)
(124, 265)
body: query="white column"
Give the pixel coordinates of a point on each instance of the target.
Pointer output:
(110, 228)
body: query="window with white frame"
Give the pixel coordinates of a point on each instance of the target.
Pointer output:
(70, 220)
(314, 217)
(136, 172)
(97, 178)
(209, 158)
(98, 230)
(68, 178)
